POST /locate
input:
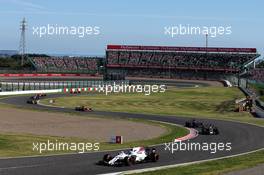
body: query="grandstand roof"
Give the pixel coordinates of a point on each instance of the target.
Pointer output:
(181, 49)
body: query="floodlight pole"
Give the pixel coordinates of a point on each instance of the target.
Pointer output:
(22, 43)
(206, 41)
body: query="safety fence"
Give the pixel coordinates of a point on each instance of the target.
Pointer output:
(6, 86)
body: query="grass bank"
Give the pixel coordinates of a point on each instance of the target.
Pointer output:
(14, 145)
(206, 102)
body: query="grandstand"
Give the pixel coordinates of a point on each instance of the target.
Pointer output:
(148, 61)
(177, 62)
(66, 64)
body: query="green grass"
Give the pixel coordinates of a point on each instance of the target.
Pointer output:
(214, 167)
(13, 145)
(206, 102)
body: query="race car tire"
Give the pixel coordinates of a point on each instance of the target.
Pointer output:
(132, 160)
(154, 157)
(216, 132)
(107, 158)
(127, 161)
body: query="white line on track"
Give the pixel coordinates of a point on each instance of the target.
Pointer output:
(25, 166)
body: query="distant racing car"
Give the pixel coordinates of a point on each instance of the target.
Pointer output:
(209, 130)
(193, 124)
(32, 101)
(133, 156)
(204, 129)
(83, 108)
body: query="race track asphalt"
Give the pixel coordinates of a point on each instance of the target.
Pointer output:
(243, 138)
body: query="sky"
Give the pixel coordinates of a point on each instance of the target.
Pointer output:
(129, 22)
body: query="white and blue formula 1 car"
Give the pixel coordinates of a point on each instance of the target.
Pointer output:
(133, 156)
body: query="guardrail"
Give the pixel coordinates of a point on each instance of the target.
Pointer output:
(46, 85)
(31, 92)
(260, 104)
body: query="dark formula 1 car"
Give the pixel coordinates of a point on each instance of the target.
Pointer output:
(193, 124)
(204, 129)
(135, 155)
(83, 108)
(32, 101)
(35, 97)
(209, 130)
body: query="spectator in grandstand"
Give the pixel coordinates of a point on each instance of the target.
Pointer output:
(66, 64)
(171, 64)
